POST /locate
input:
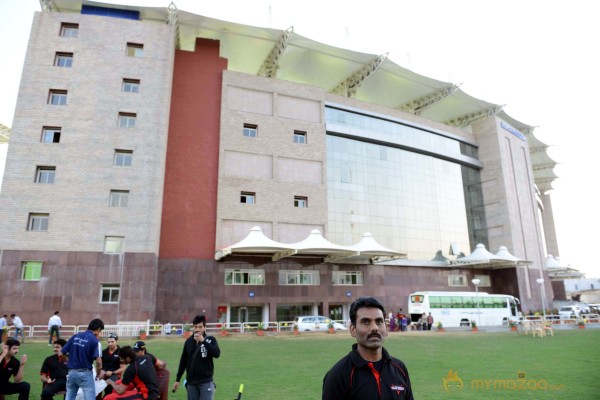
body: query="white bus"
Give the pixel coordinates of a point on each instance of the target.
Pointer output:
(454, 309)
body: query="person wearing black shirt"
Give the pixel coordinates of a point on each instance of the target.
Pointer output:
(140, 373)
(111, 363)
(54, 372)
(368, 372)
(10, 366)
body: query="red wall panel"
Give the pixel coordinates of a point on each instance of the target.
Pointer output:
(190, 197)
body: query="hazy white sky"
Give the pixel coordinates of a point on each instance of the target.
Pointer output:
(538, 57)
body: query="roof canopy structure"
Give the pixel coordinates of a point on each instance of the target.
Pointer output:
(558, 271)
(314, 245)
(4, 134)
(482, 257)
(255, 243)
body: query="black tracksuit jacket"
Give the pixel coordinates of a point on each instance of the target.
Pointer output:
(352, 378)
(197, 359)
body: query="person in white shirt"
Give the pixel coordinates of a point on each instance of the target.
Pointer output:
(4, 328)
(54, 324)
(18, 323)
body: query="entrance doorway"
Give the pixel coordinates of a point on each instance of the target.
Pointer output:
(336, 312)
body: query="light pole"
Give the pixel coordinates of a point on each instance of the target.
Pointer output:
(476, 283)
(540, 282)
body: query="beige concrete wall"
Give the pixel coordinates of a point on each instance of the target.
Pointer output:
(78, 200)
(270, 165)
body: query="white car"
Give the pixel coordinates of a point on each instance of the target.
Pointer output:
(316, 323)
(569, 311)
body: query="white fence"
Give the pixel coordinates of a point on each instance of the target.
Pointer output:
(134, 329)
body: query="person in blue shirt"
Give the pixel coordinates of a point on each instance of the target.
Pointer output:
(83, 350)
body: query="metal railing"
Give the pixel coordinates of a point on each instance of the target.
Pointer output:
(128, 329)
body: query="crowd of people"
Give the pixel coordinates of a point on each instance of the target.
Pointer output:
(402, 323)
(82, 370)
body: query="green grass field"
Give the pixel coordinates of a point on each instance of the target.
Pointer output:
(565, 366)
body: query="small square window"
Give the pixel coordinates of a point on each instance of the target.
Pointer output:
(109, 293)
(38, 222)
(131, 85)
(31, 270)
(300, 137)
(114, 244)
(123, 158)
(135, 50)
(118, 198)
(50, 134)
(64, 60)
(250, 130)
(248, 198)
(45, 174)
(69, 30)
(127, 120)
(57, 97)
(300, 201)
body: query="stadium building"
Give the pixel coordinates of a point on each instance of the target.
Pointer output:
(163, 163)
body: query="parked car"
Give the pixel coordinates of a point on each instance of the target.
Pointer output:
(595, 308)
(569, 311)
(316, 323)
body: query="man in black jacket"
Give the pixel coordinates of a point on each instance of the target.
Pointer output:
(197, 360)
(368, 372)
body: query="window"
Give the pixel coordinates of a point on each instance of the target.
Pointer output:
(63, 60)
(250, 130)
(344, 278)
(38, 222)
(457, 280)
(118, 198)
(45, 174)
(127, 120)
(123, 158)
(244, 276)
(248, 198)
(300, 201)
(109, 293)
(114, 244)
(299, 277)
(135, 50)
(69, 30)
(484, 280)
(300, 137)
(50, 134)
(57, 97)
(131, 85)
(31, 270)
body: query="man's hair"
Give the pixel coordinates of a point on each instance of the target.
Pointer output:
(13, 315)
(12, 342)
(55, 312)
(60, 342)
(199, 319)
(127, 351)
(362, 302)
(95, 324)
(113, 335)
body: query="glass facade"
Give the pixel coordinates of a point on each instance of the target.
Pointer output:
(410, 201)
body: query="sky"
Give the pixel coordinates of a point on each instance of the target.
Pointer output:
(539, 58)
